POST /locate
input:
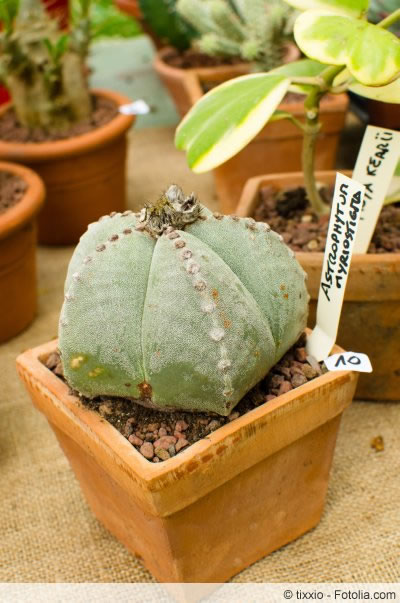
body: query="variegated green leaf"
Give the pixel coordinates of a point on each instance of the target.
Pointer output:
(386, 94)
(371, 54)
(301, 68)
(224, 121)
(353, 8)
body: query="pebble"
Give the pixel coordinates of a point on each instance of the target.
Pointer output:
(178, 435)
(162, 431)
(284, 387)
(300, 354)
(269, 397)
(233, 416)
(165, 442)
(105, 408)
(213, 425)
(276, 381)
(309, 371)
(140, 435)
(162, 453)
(181, 443)
(147, 449)
(312, 245)
(153, 427)
(181, 425)
(135, 440)
(53, 360)
(171, 450)
(128, 429)
(298, 380)
(156, 459)
(314, 363)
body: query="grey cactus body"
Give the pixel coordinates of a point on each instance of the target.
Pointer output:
(188, 318)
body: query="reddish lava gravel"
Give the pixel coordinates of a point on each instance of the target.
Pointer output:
(291, 215)
(12, 189)
(160, 435)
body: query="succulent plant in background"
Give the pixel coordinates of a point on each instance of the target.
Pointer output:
(252, 30)
(162, 17)
(345, 53)
(380, 9)
(179, 308)
(42, 67)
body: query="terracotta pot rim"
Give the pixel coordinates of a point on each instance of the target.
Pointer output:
(31, 360)
(161, 66)
(15, 217)
(77, 145)
(358, 260)
(130, 7)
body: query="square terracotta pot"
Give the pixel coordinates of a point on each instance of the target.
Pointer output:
(370, 319)
(277, 148)
(204, 515)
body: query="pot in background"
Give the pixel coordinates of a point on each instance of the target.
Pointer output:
(18, 291)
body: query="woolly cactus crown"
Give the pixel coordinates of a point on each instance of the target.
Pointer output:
(179, 308)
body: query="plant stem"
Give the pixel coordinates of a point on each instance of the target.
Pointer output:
(390, 19)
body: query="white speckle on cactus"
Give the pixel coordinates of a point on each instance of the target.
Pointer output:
(172, 234)
(113, 238)
(68, 297)
(179, 244)
(128, 212)
(77, 361)
(208, 307)
(96, 372)
(218, 216)
(186, 254)
(63, 323)
(266, 227)
(224, 365)
(127, 231)
(227, 393)
(217, 334)
(87, 259)
(200, 284)
(169, 229)
(113, 214)
(235, 218)
(192, 268)
(140, 227)
(76, 276)
(106, 217)
(100, 247)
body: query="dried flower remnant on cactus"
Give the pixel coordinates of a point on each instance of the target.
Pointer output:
(183, 309)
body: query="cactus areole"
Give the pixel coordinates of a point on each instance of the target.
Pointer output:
(179, 308)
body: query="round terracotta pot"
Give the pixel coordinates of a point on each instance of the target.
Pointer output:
(17, 255)
(84, 175)
(370, 319)
(174, 77)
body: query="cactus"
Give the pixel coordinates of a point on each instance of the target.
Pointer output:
(166, 23)
(179, 308)
(253, 30)
(44, 68)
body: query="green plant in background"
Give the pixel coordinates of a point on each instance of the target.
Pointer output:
(165, 307)
(345, 53)
(252, 30)
(107, 21)
(380, 9)
(166, 23)
(42, 67)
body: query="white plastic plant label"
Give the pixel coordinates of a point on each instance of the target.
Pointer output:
(138, 107)
(345, 216)
(352, 361)
(375, 166)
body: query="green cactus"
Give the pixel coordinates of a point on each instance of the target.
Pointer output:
(253, 30)
(163, 19)
(179, 308)
(42, 67)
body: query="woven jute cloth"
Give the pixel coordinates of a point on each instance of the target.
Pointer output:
(47, 532)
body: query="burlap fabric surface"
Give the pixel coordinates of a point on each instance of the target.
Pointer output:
(47, 532)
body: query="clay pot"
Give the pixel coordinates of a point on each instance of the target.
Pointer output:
(17, 255)
(370, 319)
(384, 115)
(84, 175)
(277, 148)
(174, 78)
(204, 515)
